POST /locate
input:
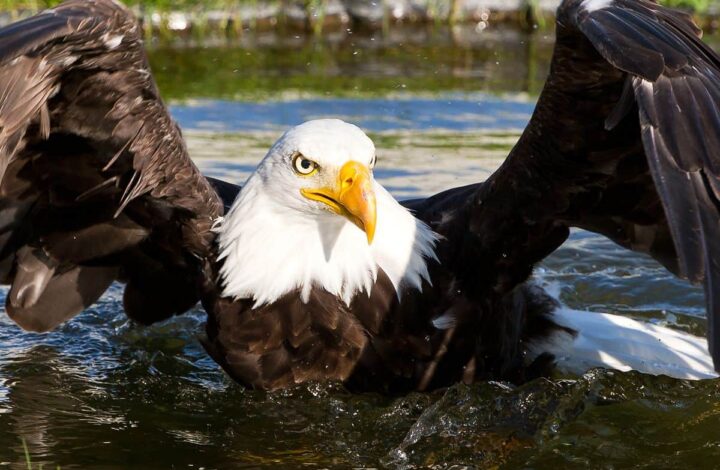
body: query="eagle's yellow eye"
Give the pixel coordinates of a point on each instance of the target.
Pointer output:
(304, 166)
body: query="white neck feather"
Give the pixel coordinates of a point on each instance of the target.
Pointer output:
(269, 250)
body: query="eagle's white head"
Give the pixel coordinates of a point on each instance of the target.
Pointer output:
(313, 216)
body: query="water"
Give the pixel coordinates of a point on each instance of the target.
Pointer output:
(101, 392)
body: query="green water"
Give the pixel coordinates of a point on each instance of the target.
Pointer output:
(418, 60)
(444, 109)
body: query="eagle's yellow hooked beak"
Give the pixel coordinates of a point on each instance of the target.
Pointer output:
(352, 196)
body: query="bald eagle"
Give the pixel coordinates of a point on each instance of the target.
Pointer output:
(312, 270)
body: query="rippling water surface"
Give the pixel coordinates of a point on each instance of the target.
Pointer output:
(101, 392)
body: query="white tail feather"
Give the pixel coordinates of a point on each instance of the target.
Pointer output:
(621, 343)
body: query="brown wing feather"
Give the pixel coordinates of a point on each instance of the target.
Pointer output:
(93, 171)
(624, 141)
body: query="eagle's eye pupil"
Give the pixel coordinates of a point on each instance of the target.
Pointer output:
(305, 164)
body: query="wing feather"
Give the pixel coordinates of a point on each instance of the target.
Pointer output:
(93, 170)
(678, 97)
(624, 141)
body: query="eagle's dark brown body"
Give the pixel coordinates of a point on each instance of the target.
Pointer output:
(377, 342)
(97, 186)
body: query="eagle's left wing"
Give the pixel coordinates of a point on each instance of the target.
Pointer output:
(624, 141)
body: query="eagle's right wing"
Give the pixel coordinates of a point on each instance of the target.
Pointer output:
(95, 180)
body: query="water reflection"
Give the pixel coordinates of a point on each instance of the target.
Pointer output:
(410, 60)
(447, 111)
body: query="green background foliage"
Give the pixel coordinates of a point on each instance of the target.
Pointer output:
(699, 6)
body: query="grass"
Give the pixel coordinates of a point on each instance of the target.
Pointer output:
(28, 461)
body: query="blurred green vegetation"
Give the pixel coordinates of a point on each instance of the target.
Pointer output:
(699, 6)
(166, 5)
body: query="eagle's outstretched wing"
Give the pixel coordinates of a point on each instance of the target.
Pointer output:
(624, 141)
(95, 180)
